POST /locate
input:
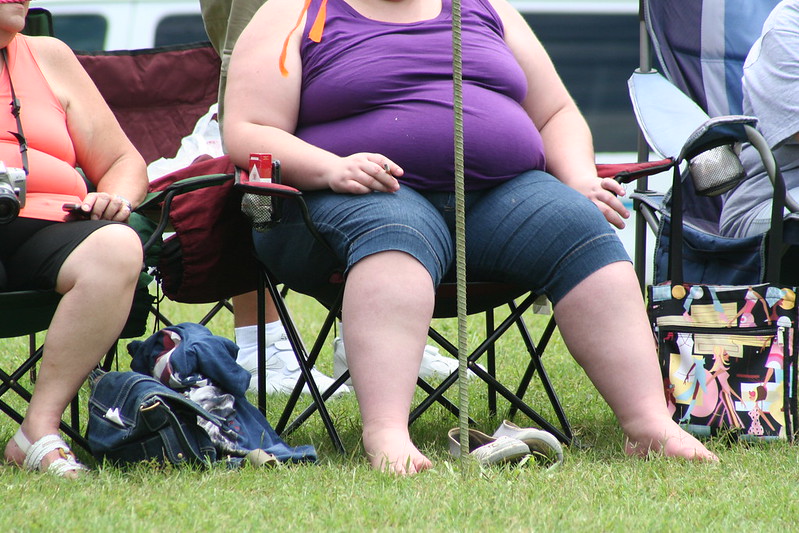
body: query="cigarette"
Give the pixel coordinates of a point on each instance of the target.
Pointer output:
(387, 168)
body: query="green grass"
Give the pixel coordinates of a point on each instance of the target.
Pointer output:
(598, 488)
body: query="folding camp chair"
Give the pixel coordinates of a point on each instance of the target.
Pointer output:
(691, 114)
(157, 96)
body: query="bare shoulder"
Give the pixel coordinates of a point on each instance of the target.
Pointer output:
(505, 10)
(62, 70)
(51, 49)
(278, 13)
(517, 31)
(270, 26)
(54, 56)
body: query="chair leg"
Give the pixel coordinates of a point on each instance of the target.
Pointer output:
(517, 404)
(222, 304)
(535, 351)
(491, 364)
(535, 362)
(160, 318)
(294, 397)
(11, 382)
(304, 360)
(31, 350)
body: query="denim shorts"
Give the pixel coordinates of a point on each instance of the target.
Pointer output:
(531, 231)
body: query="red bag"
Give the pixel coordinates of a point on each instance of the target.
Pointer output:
(210, 256)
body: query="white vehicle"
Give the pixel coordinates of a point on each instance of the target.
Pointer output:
(125, 24)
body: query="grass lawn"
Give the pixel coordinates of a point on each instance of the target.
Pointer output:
(597, 488)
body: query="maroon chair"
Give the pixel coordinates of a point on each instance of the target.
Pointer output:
(157, 96)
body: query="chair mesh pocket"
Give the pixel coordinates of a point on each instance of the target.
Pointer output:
(260, 210)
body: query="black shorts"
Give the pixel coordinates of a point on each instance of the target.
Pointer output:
(32, 251)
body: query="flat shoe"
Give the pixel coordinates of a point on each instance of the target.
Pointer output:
(543, 446)
(488, 450)
(35, 452)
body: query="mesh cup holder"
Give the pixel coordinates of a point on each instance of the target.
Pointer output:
(716, 171)
(261, 210)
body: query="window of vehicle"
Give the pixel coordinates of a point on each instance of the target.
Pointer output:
(177, 29)
(595, 55)
(81, 32)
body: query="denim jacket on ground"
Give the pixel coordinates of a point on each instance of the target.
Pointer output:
(189, 355)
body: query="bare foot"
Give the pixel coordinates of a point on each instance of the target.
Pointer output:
(14, 455)
(391, 451)
(668, 438)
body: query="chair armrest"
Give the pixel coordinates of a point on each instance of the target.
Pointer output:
(267, 188)
(629, 172)
(280, 191)
(154, 199)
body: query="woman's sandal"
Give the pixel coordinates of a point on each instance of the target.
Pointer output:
(35, 453)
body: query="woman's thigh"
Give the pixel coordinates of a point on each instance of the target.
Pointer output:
(354, 226)
(37, 262)
(539, 233)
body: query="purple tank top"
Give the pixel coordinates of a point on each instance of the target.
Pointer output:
(372, 86)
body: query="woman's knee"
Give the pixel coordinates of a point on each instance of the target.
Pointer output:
(115, 250)
(123, 242)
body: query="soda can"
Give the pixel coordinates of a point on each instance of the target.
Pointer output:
(260, 167)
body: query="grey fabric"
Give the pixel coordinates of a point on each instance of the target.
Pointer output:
(224, 21)
(771, 93)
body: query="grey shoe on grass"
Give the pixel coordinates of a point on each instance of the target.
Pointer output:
(543, 446)
(488, 450)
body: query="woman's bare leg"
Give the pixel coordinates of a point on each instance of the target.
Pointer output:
(605, 327)
(388, 305)
(97, 282)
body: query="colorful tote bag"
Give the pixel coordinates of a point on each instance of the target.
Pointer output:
(727, 352)
(728, 357)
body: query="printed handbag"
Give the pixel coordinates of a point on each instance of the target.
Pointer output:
(728, 357)
(727, 352)
(133, 418)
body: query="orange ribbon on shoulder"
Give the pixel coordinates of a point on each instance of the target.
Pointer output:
(315, 34)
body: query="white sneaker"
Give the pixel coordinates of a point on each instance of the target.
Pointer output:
(434, 364)
(283, 371)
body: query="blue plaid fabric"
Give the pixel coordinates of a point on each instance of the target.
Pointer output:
(701, 46)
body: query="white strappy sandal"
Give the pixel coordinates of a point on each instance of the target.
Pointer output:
(35, 452)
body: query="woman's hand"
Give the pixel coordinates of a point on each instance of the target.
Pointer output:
(605, 193)
(363, 173)
(104, 206)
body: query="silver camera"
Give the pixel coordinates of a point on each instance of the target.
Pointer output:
(12, 192)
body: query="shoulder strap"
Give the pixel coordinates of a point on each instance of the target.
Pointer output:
(15, 107)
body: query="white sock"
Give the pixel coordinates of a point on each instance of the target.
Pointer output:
(247, 341)
(246, 336)
(274, 332)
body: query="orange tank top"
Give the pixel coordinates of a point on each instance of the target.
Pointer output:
(52, 178)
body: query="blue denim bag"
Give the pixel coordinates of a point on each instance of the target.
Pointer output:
(187, 355)
(133, 417)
